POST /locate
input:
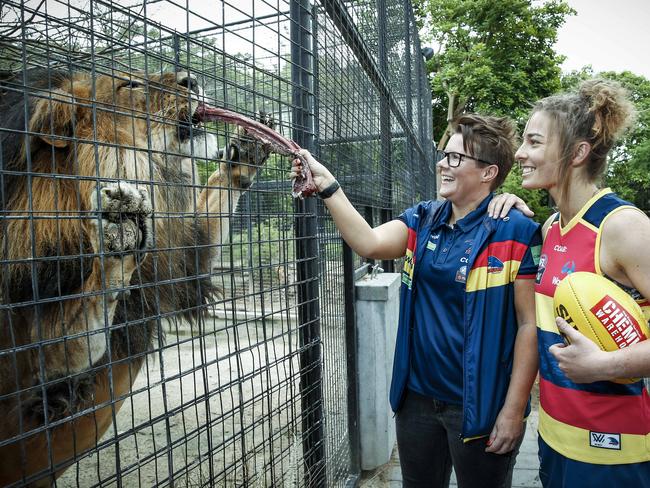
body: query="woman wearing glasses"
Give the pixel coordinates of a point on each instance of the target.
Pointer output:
(465, 358)
(592, 430)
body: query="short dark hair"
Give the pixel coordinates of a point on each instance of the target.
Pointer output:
(489, 138)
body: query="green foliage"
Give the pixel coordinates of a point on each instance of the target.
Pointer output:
(493, 57)
(629, 168)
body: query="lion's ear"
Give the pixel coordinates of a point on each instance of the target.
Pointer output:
(56, 114)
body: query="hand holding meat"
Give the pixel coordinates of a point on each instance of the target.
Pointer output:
(320, 174)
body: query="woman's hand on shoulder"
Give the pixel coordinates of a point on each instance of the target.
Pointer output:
(501, 204)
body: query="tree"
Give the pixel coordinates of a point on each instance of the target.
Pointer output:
(492, 57)
(629, 165)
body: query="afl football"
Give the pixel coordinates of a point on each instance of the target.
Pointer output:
(601, 311)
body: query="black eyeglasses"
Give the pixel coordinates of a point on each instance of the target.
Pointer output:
(455, 158)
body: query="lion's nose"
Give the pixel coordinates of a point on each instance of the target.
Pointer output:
(191, 84)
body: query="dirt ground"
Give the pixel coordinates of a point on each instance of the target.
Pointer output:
(217, 406)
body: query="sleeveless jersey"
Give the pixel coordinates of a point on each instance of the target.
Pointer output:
(601, 422)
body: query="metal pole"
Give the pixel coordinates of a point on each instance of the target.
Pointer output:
(177, 51)
(385, 129)
(311, 380)
(352, 365)
(409, 99)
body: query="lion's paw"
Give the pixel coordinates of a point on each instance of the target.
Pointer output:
(126, 217)
(266, 118)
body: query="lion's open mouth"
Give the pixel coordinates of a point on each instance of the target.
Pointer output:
(190, 126)
(196, 119)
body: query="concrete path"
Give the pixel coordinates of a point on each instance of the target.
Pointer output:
(525, 474)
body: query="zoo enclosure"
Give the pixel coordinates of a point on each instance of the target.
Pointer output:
(262, 391)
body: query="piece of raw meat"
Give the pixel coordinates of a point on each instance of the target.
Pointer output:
(303, 186)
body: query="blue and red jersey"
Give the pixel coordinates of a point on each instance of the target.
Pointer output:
(501, 251)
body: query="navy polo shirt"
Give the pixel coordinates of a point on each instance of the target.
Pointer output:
(437, 340)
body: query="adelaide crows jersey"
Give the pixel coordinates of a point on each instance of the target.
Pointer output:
(601, 422)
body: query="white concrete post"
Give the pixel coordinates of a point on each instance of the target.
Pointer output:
(377, 313)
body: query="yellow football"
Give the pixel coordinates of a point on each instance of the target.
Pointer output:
(602, 311)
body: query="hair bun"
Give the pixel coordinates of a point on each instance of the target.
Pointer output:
(609, 103)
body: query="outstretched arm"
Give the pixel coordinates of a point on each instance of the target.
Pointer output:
(387, 241)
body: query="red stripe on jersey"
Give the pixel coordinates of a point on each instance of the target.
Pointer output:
(623, 414)
(412, 238)
(504, 251)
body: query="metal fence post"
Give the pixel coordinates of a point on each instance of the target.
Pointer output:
(311, 387)
(352, 366)
(385, 129)
(408, 96)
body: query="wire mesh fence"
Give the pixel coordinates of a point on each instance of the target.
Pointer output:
(169, 315)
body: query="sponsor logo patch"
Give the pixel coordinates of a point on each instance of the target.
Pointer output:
(461, 274)
(622, 327)
(605, 440)
(535, 251)
(409, 259)
(541, 268)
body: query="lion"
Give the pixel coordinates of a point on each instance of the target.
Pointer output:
(105, 229)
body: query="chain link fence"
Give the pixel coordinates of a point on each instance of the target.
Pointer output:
(169, 315)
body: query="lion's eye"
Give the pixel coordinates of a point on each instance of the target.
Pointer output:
(132, 84)
(190, 83)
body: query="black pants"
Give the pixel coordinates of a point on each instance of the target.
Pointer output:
(428, 440)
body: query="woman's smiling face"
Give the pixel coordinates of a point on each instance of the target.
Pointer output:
(462, 183)
(537, 155)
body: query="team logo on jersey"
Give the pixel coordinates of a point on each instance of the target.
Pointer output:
(494, 265)
(605, 440)
(543, 259)
(569, 267)
(431, 244)
(461, 274)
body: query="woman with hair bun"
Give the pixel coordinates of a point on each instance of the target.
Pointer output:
(591, 430)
